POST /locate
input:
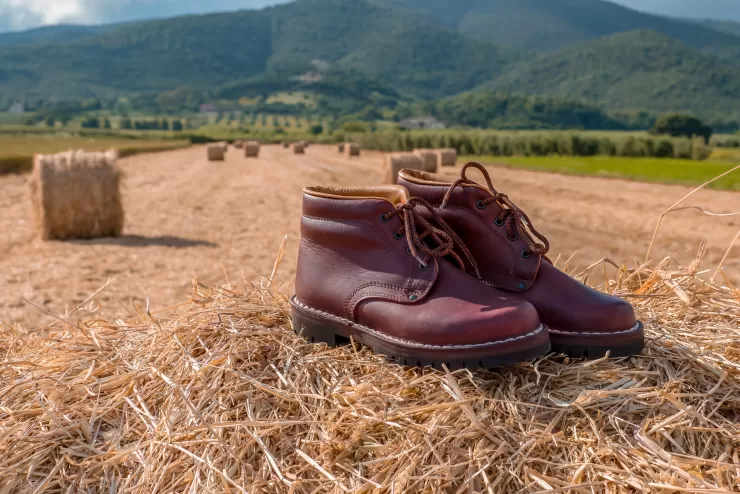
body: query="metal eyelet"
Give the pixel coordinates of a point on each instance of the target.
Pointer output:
(526, 254)
(513, 237)
(498, 222)
(408, 251)
(423, 267)
(384, 218)
(398, 235)
(480, 205)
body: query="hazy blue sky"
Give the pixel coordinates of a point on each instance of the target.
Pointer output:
(21, 14)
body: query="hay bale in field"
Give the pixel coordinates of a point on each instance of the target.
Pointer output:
(395, 162)
(286, 144)
(340, 147)
(77, 195)
(216, 153)
(239, 144)
(447, 157)
(352, 149)
(429, 157)
(298, 148)
(252, 149)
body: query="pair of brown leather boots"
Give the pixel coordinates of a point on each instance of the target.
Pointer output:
(433, 272)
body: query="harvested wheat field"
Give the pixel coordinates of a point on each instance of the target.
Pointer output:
(218, 395)
(186, 217)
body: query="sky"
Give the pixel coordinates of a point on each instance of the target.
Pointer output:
(24, 14)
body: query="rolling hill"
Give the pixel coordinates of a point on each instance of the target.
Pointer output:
(63, 33)
(639, 70)
(369, 54)
(546, 25)
(207, 51)
(727, 27)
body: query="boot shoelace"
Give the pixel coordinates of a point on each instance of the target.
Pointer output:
(444, 236)
(515, 220)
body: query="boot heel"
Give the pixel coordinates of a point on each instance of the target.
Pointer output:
(314, 331)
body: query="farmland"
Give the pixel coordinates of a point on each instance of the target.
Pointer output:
(666, 171)
(168, 356)
(191, 218)
(182, 313)
(17, 150)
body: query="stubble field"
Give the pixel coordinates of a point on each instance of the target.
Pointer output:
(187, 218)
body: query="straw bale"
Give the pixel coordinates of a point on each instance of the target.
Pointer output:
(77, 195)
(429, 158)
(395, 162)
(352, 149)
(340, 147)
(286, 144)
(252, 149)
(225, 397)
(216, 152)
(298, 148)
(447, 157)
(239, 144)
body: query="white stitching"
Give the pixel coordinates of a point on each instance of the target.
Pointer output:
(633, 329)
(414, 344)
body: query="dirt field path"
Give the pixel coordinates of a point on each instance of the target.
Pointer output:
(186, 217)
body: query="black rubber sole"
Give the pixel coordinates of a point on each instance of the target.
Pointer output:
(596, 346)
(318, 327)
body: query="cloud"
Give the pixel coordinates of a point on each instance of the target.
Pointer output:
(22, 14)
(27, 13)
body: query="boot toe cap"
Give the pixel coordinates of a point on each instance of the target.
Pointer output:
(610, 316)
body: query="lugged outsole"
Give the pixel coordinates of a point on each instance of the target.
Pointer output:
(574, 346)
(317, 329)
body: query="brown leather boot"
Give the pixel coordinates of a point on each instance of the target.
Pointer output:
(368, 270)
(511, 256)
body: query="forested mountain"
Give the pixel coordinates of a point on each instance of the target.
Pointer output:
(372, 53)
(206, 51)
(640, 70)
(63, 33)
(728, 27)
(546, 25)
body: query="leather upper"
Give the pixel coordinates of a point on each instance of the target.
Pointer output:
(499, 258)
(353, 264)
(563, 303)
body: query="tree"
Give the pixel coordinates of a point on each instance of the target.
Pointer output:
(679, 124)
(317, 129)
(126, 124)
(91, 122)
(177, 126)
(352, 127)
(50, 121)
(165, 124)
(106, 124)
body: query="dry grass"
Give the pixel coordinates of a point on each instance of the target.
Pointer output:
(447, 157)
(252, 149)
(216, 152)
(225, 398)
(77, 195)
(395, 162)
(429, 158)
